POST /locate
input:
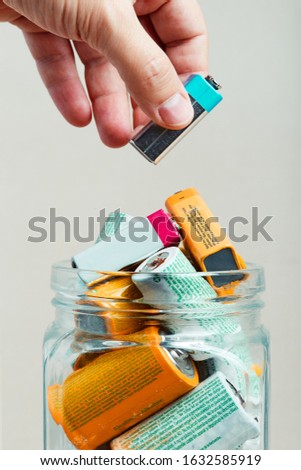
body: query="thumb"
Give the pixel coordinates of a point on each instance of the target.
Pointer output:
(146, 70)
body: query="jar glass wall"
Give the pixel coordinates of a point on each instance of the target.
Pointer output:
(124, 370)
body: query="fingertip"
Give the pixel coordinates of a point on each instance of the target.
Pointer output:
(79, 114)
(114, 137)
(74, 107)
(113, 121)
(113, 128)
(113, 142)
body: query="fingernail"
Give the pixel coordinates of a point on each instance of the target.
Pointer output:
(176, 111)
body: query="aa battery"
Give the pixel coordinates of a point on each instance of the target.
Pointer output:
(116, 296)
(235, 362)
(205, 239)
(168, 281)
(121, 246)
(120, 287)
(118, 390)
(111, 323)
(171, 279)
(239, 368)
(100, 346)
(209, 417)
(84, 359)
(120, 318)
(95, 345)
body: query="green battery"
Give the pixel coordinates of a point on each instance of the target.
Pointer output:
(209, 417)
(168, 281)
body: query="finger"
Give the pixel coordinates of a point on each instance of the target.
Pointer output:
(108, 95)
(57, 17)
(181, 27)
(139, 118)
(148, 73)
(147, 24)
(55, 61)
(26, 26)
(11, 16)
(7, 14)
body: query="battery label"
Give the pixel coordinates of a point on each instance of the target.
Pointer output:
(103, 398)
(154, 140)
(187, 287)
(182, 288)
(209, 417)
(206, 240)
(113, 224)
(201, 229)
(201, 232)
(116, 391)
(190, 300)
(236, 365)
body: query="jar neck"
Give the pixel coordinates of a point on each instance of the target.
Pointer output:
(110, 317)
(124, 302)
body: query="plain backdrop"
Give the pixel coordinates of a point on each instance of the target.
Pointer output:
(243, 155)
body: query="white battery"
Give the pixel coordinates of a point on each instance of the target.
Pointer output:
(181, 288)
(211, 416)
(168, 281)
(236, 364)
(112, 225)
(122, 243)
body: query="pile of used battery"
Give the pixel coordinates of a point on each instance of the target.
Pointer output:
(170, 380)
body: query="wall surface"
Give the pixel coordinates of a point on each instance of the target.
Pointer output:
(246, 154)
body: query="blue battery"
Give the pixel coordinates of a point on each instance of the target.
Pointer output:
(154, 141)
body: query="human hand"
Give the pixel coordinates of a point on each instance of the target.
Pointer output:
(140, 47)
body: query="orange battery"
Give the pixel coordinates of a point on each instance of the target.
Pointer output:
(205, 240)
(120, 389)
(107, 323)
(114, 287)
(85, 359)
(120, 318)
(117, 294)
(123, 340)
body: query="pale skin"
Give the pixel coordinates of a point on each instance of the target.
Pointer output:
(143, 49)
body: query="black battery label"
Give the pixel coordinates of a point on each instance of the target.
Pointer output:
(154, 140)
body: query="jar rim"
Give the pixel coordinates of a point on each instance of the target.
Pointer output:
(65, 266)
(68, 280)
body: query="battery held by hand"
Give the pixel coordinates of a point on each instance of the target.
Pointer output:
(154, 141)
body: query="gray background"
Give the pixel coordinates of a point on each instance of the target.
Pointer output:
(244, 154)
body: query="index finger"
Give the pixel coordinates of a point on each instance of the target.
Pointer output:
(180, 25)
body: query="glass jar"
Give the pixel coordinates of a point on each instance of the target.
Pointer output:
(124, 370)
